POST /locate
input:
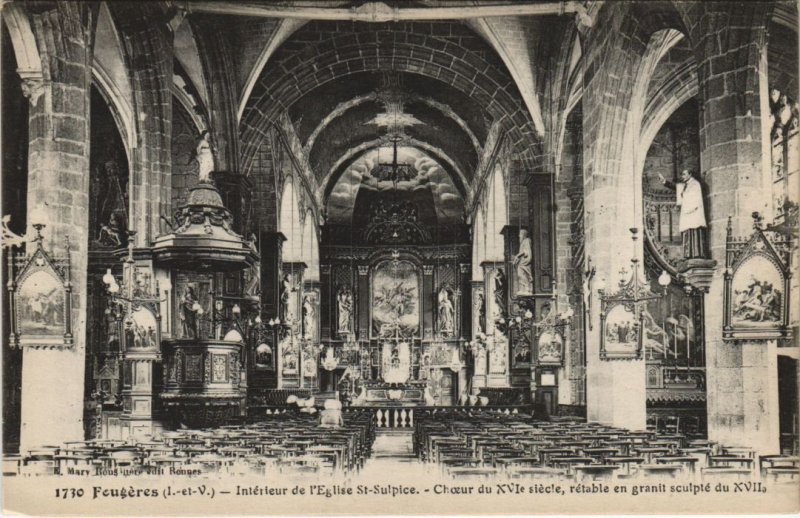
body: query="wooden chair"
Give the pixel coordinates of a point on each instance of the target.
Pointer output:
(687, 461)
(714, 473)
(595, 471)
(536, 472)
(480, 473)
(777, 461)
(783, 475)
(661, 470)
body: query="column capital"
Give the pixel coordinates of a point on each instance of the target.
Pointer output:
(33, 86)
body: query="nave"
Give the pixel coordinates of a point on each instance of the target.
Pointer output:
(546, 240)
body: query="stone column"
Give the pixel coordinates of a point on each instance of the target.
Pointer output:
(58, 183)
(311, 290)
(478, 357)
(615, 390)
(145, 29)
(291, 318)
(742, 389)
(464, 325)
(363, 301)
(564, 279)
(427, 302)
(498, 371)
(270, 248)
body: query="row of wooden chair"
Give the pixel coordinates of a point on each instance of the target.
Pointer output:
(488, 444)
(286, 443)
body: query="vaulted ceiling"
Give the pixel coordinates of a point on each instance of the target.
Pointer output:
(350, 89)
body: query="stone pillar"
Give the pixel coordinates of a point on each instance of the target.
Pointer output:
(327, 304)
(290, 312)
(570, 263)
(741, 376)
(149, 38)
(497, 310)
(58, 183)
(541, 231)
(563, 278)
(615, 390)
(310, 311)
(427, 302)
(271, 249)
(363, 301)
(478, 310)
(464, 325)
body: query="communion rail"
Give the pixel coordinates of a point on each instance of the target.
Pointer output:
(403, 417)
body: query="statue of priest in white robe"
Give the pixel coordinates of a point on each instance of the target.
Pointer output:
(689, 197)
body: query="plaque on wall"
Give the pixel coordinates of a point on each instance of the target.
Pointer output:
(40, 299)
(264, 337)
(620, 327)
(141, 331)
(550, 334)
(757, 275)
(521, 347)
(290, 357)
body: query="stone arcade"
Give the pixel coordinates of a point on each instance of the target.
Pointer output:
(400, 210)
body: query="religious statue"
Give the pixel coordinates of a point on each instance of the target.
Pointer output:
(263, 355)
(288, 352)
(286, 293)
(253, 287)
(446, 311)
(189, 310)
(522, 265)
(692, 219)
(308, 316)
(110, 235)
(344, 300)
(345, 387)
(499, 295)
(205, 157)
(480, 311)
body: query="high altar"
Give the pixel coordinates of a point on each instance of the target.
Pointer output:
(396, 317)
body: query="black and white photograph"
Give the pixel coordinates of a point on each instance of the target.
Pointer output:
(400, 257)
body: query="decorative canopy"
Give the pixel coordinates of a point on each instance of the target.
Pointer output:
(203, 237)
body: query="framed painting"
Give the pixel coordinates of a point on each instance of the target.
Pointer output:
(620, 331)
(549, 347)
(757, 281)
(40, 300)
(521, 350)
(141, 331)
(395, 300)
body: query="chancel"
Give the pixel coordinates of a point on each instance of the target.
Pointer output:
(547, 239)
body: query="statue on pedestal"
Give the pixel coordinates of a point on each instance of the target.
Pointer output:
(189, 309)
(344, 301)
(480, 312)
(522, 265)
(308, 317)
(499, 295)
(446, 311)
(205, 157)
(689, 195)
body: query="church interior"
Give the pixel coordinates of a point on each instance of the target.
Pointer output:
(536, 238)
